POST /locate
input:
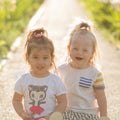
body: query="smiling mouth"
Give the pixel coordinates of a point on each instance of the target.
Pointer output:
(40, 68)
(79, 58)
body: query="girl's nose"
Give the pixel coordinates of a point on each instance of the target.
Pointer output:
(40, 61)
(80, 52)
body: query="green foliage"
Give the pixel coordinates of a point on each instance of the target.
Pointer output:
(3, 48)
(106, 17)
(13, 20)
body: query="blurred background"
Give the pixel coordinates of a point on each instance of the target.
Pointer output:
(14, 17)
(15, 14)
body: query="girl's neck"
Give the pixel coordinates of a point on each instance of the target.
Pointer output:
(40, 74)
(79, 67)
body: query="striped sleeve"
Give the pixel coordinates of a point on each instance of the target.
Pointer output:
(99, 83)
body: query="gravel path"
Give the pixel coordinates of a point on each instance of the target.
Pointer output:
(55, 16)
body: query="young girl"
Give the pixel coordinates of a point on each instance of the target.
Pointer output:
(83, 81)
(39, 88)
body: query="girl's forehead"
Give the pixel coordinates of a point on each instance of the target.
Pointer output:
(82, 41)
(40, 50)
(88, 37)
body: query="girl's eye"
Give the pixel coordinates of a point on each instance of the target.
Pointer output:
(75, 49)
(85, 50)
(46, 57)
(35, 57)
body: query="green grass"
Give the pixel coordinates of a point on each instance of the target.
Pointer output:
(106, 18)
(13, 21)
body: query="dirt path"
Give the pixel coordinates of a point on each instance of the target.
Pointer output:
(55, 16)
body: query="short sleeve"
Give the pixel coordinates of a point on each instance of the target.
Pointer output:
(18, 86)
(60, 88)
(99, 82)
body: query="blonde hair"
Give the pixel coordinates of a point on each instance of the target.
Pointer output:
(83, 29)
(38, 39)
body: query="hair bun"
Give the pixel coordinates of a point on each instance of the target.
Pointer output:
(85, 26)
(38, 35)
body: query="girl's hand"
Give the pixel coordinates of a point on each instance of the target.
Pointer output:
(56, 116)
(104, 118)
(26, 116)
(45, 118)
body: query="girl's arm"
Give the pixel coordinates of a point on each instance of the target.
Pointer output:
(18, 106)
(60, 108)
(102, 102)
(62, 103)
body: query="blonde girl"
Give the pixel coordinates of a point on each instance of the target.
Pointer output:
(83, 80)
(43, 92)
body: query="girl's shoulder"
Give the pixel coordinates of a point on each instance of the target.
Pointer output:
(23, 79)
(53, 75)
(98, 69)
(63, 66)
(24, 76)
(94, 71)
(55, 78)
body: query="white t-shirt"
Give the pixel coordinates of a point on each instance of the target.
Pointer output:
(80, 85)
(39, 93)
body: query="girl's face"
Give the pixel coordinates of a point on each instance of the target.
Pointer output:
(40, 62)
(81, 51)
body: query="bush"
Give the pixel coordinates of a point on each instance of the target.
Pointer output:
(13, 21)
(106, 16)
